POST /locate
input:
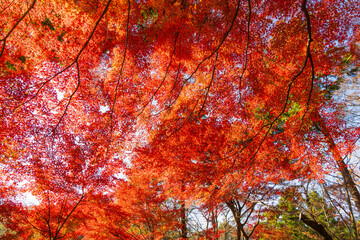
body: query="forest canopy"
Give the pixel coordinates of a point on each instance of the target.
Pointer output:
(179, 119)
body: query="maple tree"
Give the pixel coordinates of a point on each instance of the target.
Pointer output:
(209, 101)
(142, 210)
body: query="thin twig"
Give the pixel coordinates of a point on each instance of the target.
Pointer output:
(209, 86)
(121, 68)
(246, 50)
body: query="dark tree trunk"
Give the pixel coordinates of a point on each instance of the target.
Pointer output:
(316, 226)
(183, 221)
(240, 232)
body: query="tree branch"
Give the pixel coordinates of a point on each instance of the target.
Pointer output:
(13, 28)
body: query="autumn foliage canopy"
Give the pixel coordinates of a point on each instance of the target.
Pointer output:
(118, 118)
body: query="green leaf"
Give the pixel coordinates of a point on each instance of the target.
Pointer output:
(60, 37)
(347, 58)
(10, 65)
(22, 59)
(48, 23)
